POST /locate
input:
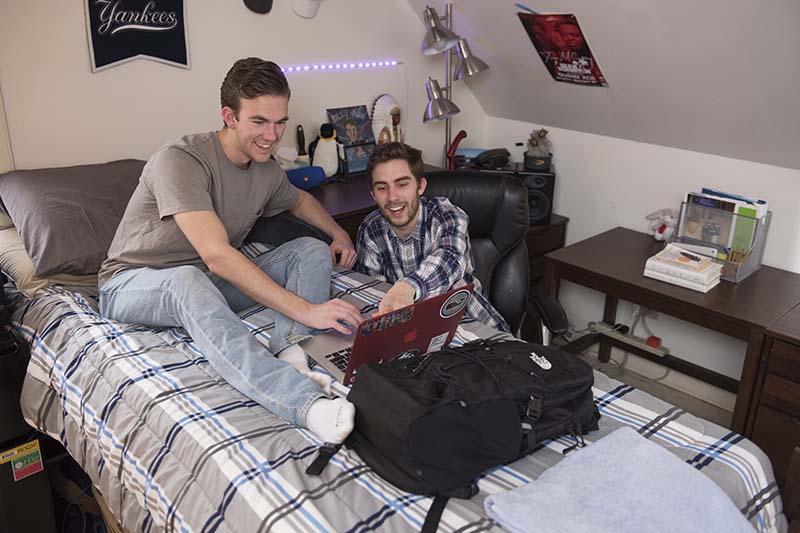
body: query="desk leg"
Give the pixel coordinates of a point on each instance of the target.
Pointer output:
(610, 318)
(747, 383)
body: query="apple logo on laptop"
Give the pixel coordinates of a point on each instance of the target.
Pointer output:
(410, 336)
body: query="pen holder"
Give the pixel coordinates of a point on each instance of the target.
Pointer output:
(734, 240)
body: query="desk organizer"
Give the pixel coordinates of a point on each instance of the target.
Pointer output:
(736, 241)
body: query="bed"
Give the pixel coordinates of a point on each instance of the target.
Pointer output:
(172, 447)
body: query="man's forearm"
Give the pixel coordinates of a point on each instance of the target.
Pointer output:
(310, 210)
(207, 235)
(234, 267)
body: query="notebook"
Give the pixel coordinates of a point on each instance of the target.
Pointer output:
(424, 326)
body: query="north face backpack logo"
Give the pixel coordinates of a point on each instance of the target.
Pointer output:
(543, 363)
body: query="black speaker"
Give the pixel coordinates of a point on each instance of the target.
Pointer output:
(540, 196)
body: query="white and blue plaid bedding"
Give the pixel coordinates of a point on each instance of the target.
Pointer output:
(173, 447)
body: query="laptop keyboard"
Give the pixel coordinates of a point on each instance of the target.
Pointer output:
(340, 358)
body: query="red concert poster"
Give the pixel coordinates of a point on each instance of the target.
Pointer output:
(563, 48)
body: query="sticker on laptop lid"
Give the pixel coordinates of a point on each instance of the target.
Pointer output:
(455, 303)
(438, 342)
(407, 354)
(387, 321)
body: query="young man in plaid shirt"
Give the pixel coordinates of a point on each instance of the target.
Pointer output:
(420, 245)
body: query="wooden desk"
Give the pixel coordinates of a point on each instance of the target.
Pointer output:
(613, 262)
(774, 421)
(348, 203)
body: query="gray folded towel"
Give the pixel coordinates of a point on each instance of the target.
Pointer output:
(621, 483)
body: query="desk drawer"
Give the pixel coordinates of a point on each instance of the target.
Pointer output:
(777, 434)
(781, 394)
(784, 360)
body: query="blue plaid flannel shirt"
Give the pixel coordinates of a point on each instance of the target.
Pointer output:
(434, 258)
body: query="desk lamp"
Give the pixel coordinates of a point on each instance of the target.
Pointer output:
(439, 38)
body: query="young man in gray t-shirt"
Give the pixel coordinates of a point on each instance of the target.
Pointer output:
(174, 260)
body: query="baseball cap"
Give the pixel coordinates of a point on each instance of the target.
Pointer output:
(259, 6)
(306, 8)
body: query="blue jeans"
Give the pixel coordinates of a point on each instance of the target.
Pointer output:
(205, 305)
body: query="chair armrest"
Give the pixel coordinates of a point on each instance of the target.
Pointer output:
(550, 312)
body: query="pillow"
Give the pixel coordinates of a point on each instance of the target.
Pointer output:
(15, 262)
(67, 216)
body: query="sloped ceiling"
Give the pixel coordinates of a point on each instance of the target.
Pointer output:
(717, 76)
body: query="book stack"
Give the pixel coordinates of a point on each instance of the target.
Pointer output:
(687, 269)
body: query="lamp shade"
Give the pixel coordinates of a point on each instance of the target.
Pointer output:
(437, 38)
(439, 107)
(468, 65)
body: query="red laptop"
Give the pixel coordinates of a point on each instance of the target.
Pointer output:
(422, 327)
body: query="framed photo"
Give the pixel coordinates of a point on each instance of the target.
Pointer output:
(354, 130)
(357, 156)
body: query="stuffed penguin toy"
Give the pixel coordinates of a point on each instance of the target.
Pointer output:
(326, 151)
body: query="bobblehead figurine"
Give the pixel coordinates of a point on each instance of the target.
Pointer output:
(386, 120)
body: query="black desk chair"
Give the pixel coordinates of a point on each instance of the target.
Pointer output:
(497, 206)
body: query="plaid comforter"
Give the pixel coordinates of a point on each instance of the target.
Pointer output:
(173, 447)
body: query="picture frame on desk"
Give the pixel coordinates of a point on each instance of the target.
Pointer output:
(354, 131)
(357, 156)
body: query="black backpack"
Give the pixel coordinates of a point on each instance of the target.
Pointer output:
(430, 424)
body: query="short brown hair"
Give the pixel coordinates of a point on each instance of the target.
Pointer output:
(396, 150)
(250, 78)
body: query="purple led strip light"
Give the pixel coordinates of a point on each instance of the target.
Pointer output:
(342, 66)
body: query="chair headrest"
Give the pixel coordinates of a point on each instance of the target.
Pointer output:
(497, 204)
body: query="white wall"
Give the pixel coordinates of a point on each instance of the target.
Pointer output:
(6, 162)
(603, 182)
(60, 113)
(712, 76)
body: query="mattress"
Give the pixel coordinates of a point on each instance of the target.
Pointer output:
(172, 447)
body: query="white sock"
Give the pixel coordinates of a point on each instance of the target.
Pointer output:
(323, 380)
(296, 356)
(331, 420)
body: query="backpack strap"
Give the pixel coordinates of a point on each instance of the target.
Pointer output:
(434, 514)
(440, 501)
(326, 451)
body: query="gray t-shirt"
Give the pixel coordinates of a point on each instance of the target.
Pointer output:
(192, 174)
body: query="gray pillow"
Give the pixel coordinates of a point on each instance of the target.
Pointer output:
(67, 216)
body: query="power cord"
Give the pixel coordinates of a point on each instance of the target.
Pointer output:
(638, 317)
(569, 336)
